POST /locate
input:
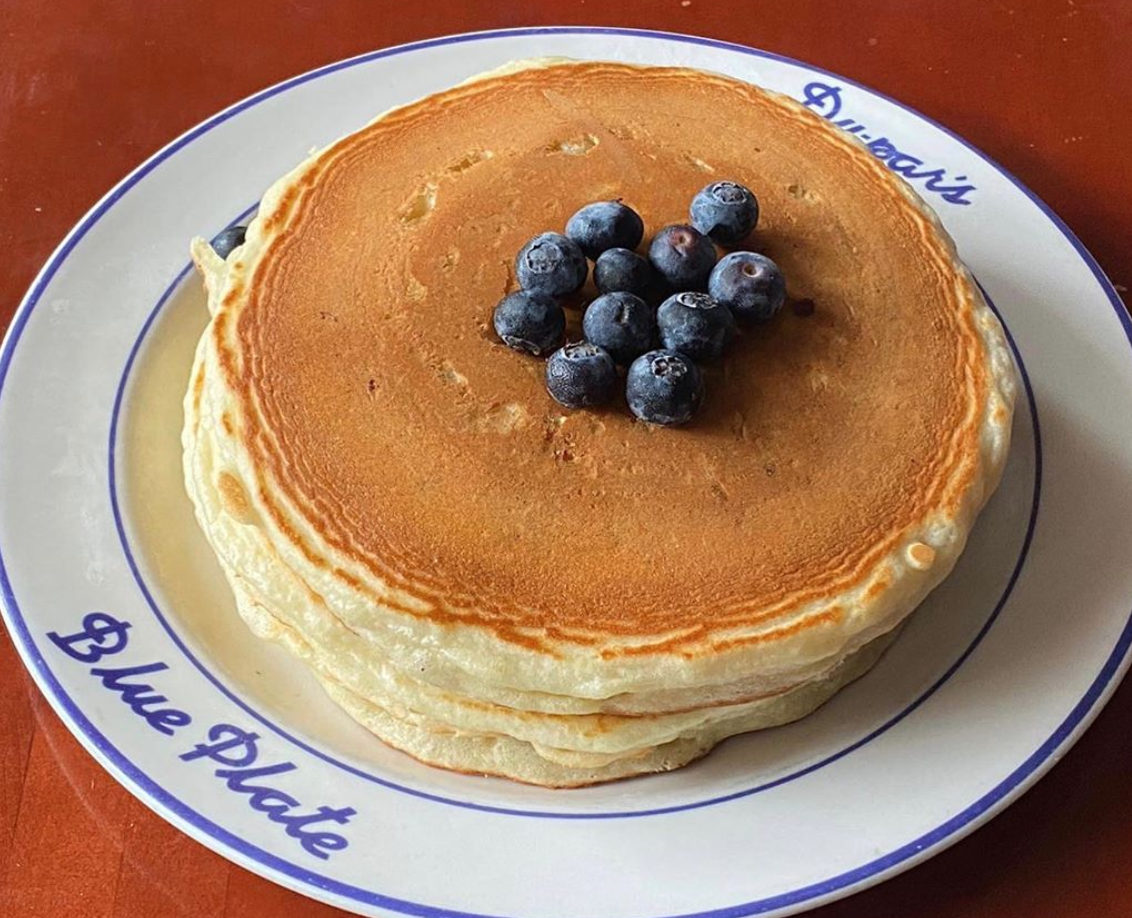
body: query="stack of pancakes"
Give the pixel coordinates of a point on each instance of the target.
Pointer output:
(496, 585)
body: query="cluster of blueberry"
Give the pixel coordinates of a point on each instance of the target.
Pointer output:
(696, 320)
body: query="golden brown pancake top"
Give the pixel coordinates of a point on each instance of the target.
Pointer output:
(378, 397)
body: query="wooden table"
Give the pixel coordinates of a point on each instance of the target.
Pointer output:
(88, 90)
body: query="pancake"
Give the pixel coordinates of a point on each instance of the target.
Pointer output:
(497, 585)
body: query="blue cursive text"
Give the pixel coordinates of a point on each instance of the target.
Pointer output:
(234, 751)
(103, 635)
(825, 99)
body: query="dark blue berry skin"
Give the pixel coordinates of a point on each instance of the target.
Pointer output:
(726, 211)
(605, 225)
(229, 239)
(620, 270)
(580, 375)
(664, 387)
(551, 264)
(682, 256)
(622, 323)
(530, 322)
(695, 324)
(750, 285)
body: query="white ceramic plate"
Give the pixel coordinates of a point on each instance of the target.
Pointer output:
(993, 680)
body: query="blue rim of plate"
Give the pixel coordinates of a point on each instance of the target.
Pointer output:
(152, 794)
(800, 772)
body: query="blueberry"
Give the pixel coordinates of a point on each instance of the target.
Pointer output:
(750, 285)
(621, 270)
(551, 264)
(726, 211)
(581, 374)
(683, 256)
(229, 239)
(664, 387)
(530, 322)
(621, 323)
(605, 225)
(695, 324)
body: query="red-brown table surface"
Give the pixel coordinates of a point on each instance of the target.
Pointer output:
(89, 89)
